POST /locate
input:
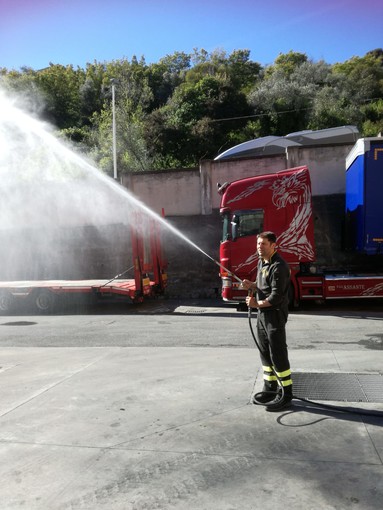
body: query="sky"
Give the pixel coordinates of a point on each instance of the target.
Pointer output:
(35, 33)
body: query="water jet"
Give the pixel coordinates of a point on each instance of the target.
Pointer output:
(57, 207)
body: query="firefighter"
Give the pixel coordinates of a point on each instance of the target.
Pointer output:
(271, 300)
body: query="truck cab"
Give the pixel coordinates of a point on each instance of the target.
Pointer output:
(280, 202)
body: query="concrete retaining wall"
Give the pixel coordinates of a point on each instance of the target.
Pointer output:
(194, 191)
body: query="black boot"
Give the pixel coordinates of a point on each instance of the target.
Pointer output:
(281, 401)
(268, 393)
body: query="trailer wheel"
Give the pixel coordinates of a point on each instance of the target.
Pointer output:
(7, 302)
(44, 301)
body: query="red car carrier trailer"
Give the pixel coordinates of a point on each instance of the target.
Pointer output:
(148, 267)
(282, 202)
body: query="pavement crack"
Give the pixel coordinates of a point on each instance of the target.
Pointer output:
(336, 360)
(51, 386)
(178, 426)
(373, 444)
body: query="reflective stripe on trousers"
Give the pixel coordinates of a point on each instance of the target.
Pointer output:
(269, 376)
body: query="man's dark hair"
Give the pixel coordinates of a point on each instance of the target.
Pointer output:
(270, 236)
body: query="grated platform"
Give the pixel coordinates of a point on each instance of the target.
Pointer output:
(343, 387)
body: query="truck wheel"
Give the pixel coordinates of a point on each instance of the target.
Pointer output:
(45, 301)
(7, 302)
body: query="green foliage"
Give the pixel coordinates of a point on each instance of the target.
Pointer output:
(373, 115)
(191, 122)
(164, 77)
(287, 63)
(60, 87)
(284, 99)
(185, 107)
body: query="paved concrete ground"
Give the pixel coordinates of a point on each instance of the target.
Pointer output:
(134, 428)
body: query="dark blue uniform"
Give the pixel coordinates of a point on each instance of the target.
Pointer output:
(273, 282)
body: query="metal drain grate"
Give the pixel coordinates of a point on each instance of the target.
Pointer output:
(194, 311)
(343, 387)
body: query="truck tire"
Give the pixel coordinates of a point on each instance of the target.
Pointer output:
(44, 301)
(7, 302)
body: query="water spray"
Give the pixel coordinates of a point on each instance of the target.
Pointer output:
(66, 166)
(117, 276)
(218, 263)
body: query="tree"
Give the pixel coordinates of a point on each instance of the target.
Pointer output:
(243, 72)
(373, 118)
(91, 91)
(351, 95)
(196, 112)
(287, 63)
(283, 97)
(364, 75)
(205, 109)
(165, 76)
(60, 86)
(23, 85)
(132, 100)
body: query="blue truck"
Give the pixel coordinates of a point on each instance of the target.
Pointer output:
(364, 196)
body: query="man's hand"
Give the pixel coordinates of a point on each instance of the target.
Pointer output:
(251, 302)
(248, 285)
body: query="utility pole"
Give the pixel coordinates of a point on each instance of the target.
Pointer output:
(113, 82)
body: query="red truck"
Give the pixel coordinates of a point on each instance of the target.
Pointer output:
(282, 202)
(147, 266)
